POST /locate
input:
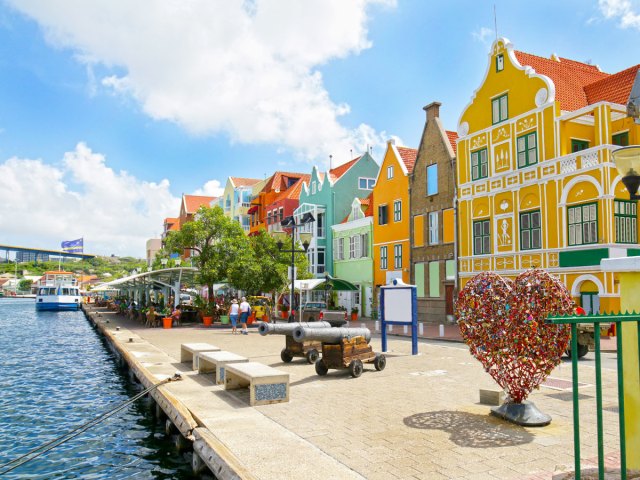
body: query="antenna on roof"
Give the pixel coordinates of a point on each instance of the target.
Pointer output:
(495, 21)
(350, 153)
(330, 159)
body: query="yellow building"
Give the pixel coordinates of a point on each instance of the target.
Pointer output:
(536, 181)
(391, 215)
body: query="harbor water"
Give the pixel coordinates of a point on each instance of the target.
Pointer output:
(57, 373)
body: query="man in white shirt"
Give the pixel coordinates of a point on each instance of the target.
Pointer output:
(245, 310)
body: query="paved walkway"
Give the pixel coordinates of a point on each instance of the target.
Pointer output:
(420, 418)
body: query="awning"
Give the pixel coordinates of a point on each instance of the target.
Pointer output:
(252, 209)
(322, 283)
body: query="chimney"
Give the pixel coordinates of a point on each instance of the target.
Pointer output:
(433, 110)
(391, 141)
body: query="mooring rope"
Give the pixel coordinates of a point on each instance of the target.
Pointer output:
(46, 447)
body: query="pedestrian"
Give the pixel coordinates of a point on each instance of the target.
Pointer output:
(245, 311)
(234, 309)
(175, 316)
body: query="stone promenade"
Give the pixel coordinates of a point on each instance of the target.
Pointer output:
(420, 418)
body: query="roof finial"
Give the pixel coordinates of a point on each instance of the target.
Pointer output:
(495, 21)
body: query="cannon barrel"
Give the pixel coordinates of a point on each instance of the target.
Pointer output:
(329, 335)
(287, 328)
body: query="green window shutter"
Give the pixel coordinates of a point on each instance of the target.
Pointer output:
(626, 221)
(620, 139)
(434, 279)
(419, 274)
(450, 269)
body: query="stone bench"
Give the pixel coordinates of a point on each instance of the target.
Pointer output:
(266, 384)
(215, 362)
(189, 352)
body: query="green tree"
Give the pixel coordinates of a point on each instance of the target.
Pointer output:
(25, 285)
(221, 246)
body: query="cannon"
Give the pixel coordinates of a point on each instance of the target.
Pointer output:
(342, 348)
(332, 335)
(309, 349)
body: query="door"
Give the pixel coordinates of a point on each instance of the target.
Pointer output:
(448, 298)
(590, 301)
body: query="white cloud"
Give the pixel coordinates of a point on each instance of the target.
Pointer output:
(245, 68)
(484, 35)
(213, 188)
(626, 11)
(81, 197)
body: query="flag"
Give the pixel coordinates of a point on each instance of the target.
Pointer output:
(73, 246)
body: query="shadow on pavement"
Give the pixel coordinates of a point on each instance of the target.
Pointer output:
(470, 429)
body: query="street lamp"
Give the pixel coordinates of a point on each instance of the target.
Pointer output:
(290, 222)
(178, 262)
(627, 160)
(164, 261)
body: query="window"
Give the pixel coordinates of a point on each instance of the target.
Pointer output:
(626, 219)
(366, 183)
(527, 150)
(499, 62)
(364, 245)
(390, 171)
(352, 247)
(356, 249)
(397, 257)
(338, 248)
(530, 231)
(481, 237)
(356, 212)
(434, 279)
(577, 145)
(281, 213)
(269, 221)
(313, 188)
(479, 167)
(583, 224)
(320, 260)
(382, 215)
(620, 139)
(500, 109)
(397, 210)
(433, 228)
(432, 179)
(320, 225)
(383, 258)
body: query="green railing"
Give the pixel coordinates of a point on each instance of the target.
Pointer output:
(596, 320)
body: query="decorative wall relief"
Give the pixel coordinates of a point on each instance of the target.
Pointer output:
(502, 157)
(479, 141)
(526, 123)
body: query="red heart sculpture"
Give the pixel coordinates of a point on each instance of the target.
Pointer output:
(503, 323)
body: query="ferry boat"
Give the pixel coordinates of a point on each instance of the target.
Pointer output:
(58, 290)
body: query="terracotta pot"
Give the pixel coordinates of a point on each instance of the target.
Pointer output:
(167, 322)
(285, 315)
(207, 321)
(354, 317)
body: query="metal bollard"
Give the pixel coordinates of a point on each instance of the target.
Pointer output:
(441, 332)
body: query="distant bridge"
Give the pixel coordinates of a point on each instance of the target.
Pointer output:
(42, 252)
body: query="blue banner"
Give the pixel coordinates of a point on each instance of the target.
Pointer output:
(73, 246)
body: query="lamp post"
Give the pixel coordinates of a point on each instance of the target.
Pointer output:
(178, 262)
(627, 160)
(290, 222)
(164, 261)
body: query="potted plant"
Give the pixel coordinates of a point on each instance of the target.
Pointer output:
(285, 311)
(354, 313)
(206, 308)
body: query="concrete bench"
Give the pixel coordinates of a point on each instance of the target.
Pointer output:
(215, 362)
(266, 384)
(189, 352)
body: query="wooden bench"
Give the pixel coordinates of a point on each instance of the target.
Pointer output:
(189, 352)
(266, 384)
(215, 362)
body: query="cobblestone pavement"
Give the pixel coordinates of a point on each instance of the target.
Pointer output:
(420, 418)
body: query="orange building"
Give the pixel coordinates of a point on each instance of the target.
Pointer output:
(391, 215)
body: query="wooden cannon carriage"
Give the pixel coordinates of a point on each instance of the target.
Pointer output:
(309, 349)
(342, 348)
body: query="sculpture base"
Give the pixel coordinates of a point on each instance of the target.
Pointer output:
(525, 414)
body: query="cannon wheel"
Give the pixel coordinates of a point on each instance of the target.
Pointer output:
(286, 356)
(321, 368)
(312, 356)
(380, 362)
(356, 368)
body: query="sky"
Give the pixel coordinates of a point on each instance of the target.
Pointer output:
(111, 110)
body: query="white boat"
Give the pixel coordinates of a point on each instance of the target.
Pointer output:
(58, 291)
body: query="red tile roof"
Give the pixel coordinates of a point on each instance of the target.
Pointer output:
(615, 88)
(453, 136)
(243, 182)
(276, 180)
(369, 211)
(293, 192)
(194, 202)
(580, 84)
(408, 156)
(337, 172)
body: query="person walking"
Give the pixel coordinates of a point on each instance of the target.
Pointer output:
(245, 311)
(234, 310)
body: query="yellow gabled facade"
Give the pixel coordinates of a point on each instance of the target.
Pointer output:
(391, 215)
(536, 181)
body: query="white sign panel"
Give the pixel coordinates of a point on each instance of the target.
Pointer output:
(397, 304)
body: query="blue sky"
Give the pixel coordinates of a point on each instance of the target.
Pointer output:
(108, 113)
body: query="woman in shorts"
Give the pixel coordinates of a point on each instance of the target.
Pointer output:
(234, 310)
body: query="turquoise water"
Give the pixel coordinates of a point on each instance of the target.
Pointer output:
(56, 373)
